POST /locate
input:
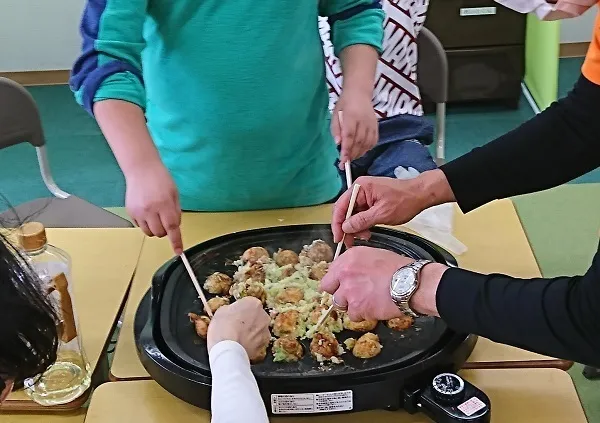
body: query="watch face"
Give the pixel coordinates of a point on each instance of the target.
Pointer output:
(404, 281)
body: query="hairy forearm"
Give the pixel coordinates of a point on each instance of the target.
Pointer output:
(359, 63)
(124, 127)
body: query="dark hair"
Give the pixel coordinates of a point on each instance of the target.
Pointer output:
(28, 320)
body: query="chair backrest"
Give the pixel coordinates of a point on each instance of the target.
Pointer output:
(432, 67)
(19, 117)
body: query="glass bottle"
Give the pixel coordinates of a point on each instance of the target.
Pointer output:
(70, 376)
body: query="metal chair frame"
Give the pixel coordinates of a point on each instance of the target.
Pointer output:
(432, 79)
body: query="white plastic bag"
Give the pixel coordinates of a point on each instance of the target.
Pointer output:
(435, 223)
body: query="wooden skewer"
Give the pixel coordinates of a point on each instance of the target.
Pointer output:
(347, 164)
(190, 271)
(353, 196)
(348, 174)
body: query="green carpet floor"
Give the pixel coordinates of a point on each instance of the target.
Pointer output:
(562, 227)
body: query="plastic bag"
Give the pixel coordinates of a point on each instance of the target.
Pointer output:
(434, 223)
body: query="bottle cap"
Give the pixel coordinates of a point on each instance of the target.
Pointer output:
(32, 236)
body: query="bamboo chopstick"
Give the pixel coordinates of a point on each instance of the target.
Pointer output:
(190, 271)
(353, 196)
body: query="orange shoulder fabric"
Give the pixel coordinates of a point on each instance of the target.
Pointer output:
(591, 64)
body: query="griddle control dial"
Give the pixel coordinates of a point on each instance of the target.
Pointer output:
(448, 388)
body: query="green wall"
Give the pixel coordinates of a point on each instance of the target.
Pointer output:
(541, 60)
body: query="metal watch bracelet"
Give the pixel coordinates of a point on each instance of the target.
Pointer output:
(402, 299)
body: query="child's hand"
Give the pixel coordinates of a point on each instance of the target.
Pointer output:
(357, 130)
(152, 201)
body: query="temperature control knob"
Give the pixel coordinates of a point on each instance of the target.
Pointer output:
(448, 388)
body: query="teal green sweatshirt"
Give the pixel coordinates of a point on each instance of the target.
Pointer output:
(234, 92)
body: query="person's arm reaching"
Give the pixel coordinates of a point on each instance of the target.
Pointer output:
(554, 147)
(357, 36)
(107, 81)
(235, 394)
(557, 317)
(152, 199)
(357, 132)
(237, 334)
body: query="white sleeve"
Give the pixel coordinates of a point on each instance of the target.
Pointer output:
(235, 395)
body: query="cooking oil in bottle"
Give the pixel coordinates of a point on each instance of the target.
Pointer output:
(70, 376)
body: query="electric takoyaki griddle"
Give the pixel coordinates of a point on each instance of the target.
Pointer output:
(414, 371)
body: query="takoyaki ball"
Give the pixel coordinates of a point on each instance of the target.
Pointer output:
(256, 272)
(255, 254)
(218, 283)
(200, 324)
(288, 271)
(286, 323)
(324, 345)
(257, 290)
(215, 303)
(286, 257)
(319, 311)
(400, 323)
(244, 289)
(287, 348)
(260, 357)
(291, 294)
(318, 251)
(367, 346)
(318, 270)
(362, 326)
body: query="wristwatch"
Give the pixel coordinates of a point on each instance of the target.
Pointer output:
(404, 284)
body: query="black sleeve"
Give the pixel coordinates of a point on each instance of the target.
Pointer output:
(557, 317)
(556, 146)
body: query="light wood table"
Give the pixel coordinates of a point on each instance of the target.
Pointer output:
(77, 416)
(104, 261)
(517, 395)
(493, 234)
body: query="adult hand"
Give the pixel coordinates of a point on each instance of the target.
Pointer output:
(388, 201)
(360, 280)
(245, 322)
(356, 130)
(152, 201)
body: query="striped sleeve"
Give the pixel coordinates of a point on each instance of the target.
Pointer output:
(109, 66)
(354, 22)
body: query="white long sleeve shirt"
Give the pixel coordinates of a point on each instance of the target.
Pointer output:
(235, 395)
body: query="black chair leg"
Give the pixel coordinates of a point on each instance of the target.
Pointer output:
(591, 372)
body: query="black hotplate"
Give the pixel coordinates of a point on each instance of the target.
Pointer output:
(399, 377)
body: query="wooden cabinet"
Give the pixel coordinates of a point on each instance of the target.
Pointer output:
(485, 45)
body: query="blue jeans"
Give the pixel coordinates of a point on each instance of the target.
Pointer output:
(402, 142)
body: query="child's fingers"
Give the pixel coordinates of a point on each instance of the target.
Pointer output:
(155, 225)
(362, 140)
(336, 129)
(174, 236)
(349, 134)
(140, 223)
(349, 141)
(171, 220)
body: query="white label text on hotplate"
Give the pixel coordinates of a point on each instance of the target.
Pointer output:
(320, 402)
